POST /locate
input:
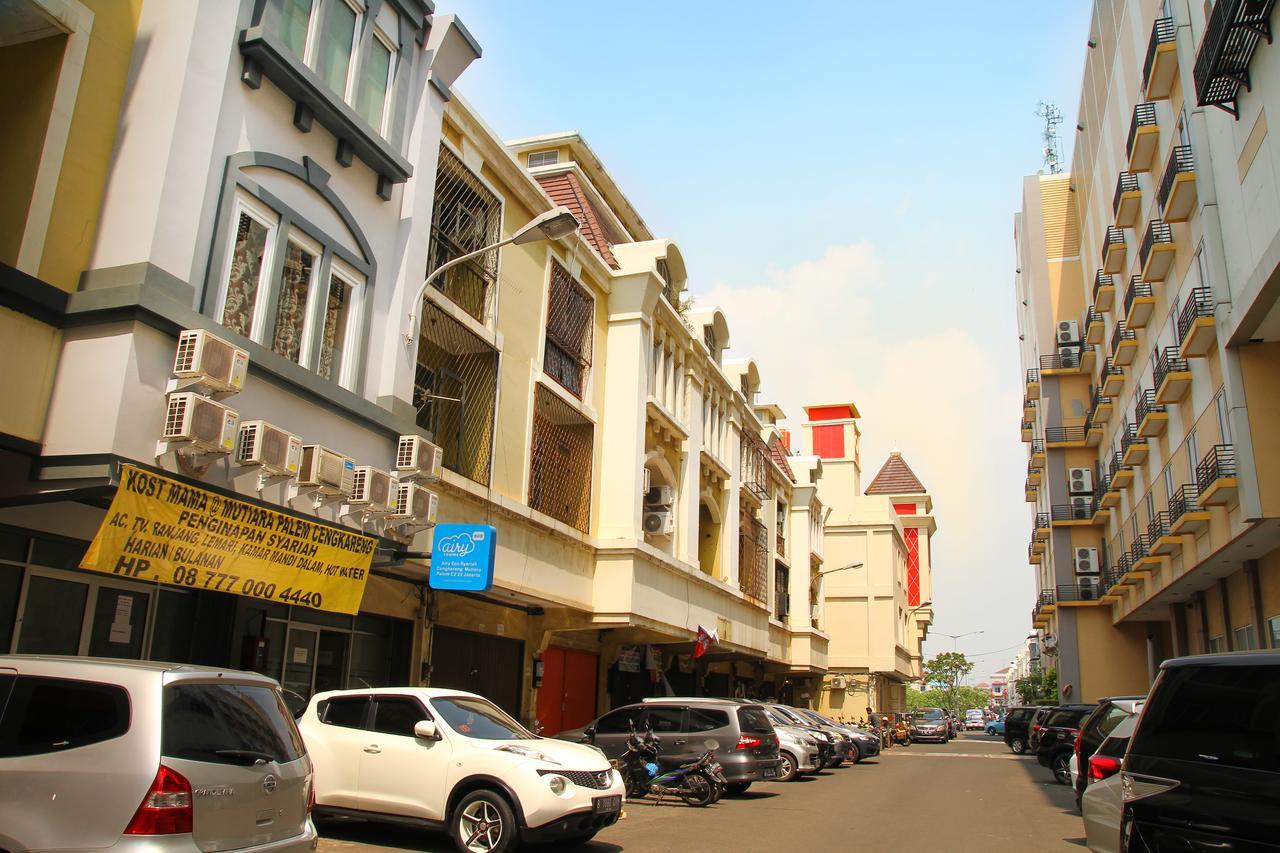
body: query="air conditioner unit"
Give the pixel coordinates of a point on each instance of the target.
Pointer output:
(1068, 332)
(417, 457)
(208, 425)
(1087, 561)
(215, 363)
(837, 682)
(1080, 481)
(1081, 507)
(660, 522)
(658, 496)
(644, 481)
(415, 503)
(277, 451)
(327, 470)
(372, 489)
(1090, 589)
(1069, 356)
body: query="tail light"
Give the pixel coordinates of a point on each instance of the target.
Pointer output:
(1103, 767)
(1035, 728)
(748, 742)
(166, 808)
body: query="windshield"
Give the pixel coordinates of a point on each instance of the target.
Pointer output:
(931, 714)
(478, 718)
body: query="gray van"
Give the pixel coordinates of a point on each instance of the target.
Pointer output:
(138, 755)
(748, 745)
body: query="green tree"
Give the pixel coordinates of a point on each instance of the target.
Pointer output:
(1040, 687)
(964, 697)
(948, 669)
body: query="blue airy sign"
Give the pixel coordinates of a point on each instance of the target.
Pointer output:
(462, 557)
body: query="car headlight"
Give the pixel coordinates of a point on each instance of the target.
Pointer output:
(558, 784)
(526, 752)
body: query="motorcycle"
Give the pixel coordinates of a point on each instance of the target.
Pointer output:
(902, 735)
(699, 782)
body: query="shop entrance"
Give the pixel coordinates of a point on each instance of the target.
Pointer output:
(61, 614)
(315, 660)
(567, 697)
(479, 663)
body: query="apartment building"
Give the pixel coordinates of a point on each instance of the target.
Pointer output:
(1145, 297)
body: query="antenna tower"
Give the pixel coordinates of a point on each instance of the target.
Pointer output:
(1052, 148)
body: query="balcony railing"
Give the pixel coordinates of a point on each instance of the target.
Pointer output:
(1163, 32)
(1109, 370)
(1137, 289)
(1199, 304)
(1081, 591)
(1159, 233)
(466, 217)
(1081, 508)
(754, 460)
(1219, 463)
(1042, 521)
(1064, 435)
(1111, 578)
(1092, 320)
(1144, 115)
(1139, 548)
(1098, 399)
(1183, 500)
(1113, 237)
(1037, 446)
(1121, 333)
(1033, 376)
(1180, 161)
(1130, 438)
(1158, 527)
(1146, 404)
(753, 542)
(1167, 361)
(1231, 38)
(1102, 279)
(1066, 358)
(1127, 182)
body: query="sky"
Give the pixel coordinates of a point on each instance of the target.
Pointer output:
(842, 180)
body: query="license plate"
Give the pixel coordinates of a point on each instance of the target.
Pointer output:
(605, 805)
(769, 773)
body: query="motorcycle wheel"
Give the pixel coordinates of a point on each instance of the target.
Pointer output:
(697, 789)
(635, 790)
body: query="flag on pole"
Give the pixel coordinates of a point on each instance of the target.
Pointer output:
(706, 639)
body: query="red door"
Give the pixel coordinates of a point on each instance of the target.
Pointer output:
(567, 698)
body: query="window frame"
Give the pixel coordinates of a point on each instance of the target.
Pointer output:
(317, 249)
(245, 204)
(356, 282)
(393, 52)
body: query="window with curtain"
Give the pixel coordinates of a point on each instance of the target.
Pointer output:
(254, 234)
(375, 82)
(337, 45)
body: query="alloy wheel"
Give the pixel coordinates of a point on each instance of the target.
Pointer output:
(481, 826)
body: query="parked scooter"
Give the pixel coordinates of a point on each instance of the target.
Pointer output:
(902, 733)
(699, 782)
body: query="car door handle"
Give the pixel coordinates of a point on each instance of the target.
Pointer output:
(372, 749)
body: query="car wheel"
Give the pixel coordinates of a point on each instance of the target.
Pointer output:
(1062, 768)
(484, 823)
(1018, 745)
(855, 754)
(836, 762)
(786, 767)
(736, 788)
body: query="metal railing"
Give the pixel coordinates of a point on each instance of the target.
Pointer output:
(1101, 487)
(1158, 527)
(467, 216)
(1102, 279)
(1091, 316)
(566, 354)
(1033, 376)
(1066, 358)
(1063, 434)
(1123, 564)
(1121, 333)
(1166, 362)
(1113, 237)
(1081, 508)
(1027, 425)
(1230, 39)
(754, 464)
(1163, 32)
(1126, 182)
(1079, 591)
(1139, 548)
(1137, 289)
(1218, 463)
(1028, 403)
(1160, 233)
(1111, 577)
(1098, 399)
(1031, 552)
(1199, 304)
(1130, 438)
(1180, 162)
(1109, 368)
(1042, 521)
(781, 541)
(1117, 465)
(1037, 446)
(753, 545)
(1146, 404)
(560, 459)
(1182, 501)
(1144, 115)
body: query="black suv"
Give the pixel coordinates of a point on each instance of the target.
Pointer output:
(1057, 739)
(1203, 767)
(1017, 725)
(1110, 713)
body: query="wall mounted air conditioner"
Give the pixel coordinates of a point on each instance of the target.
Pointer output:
(208, 425)
(1068, 332)
(210, 361)
(418, 458)
(837, 682)
(277, 451)
(1081, 507)
(416, 504)
(372, 490)
(327, 470)
(1080, 481)
(1087, 561)
(644, 481)
(659, 522)
(1090, 589)
(659, 496)
(1069, 356)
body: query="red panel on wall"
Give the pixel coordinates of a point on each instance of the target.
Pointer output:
(828, 441)
(904, 509)
(912, 535)
(828, 413)
(567, 697)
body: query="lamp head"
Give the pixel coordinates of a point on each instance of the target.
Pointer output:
(550, 225)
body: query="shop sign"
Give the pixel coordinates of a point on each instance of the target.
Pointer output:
(163, 530)
(462, 557)
(630, 658)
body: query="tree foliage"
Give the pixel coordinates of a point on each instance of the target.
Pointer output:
(964, 698)
(948, 669)
(1039, 688)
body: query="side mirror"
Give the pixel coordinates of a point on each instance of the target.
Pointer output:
(588, 734)
(426, 729)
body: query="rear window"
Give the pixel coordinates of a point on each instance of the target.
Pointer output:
(228, 724)
(1221, 715)
(754, 720)
(706, 720)
(1114, 747)
(1066, 718)
(56, 714)
(1019, 715)
(931, 713)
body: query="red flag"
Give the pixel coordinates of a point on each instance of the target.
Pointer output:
(706, 639)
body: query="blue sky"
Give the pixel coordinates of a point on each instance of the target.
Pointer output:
(842, 179)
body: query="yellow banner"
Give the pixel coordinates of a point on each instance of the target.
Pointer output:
(159, 529)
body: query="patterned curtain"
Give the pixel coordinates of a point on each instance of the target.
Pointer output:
(245, 275)
(292, 308)
(335, 328)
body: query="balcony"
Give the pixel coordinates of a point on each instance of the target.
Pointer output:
(1028, 431)
(1160, 534)
(1127, 201)
(1094, 327)
(1172, 376)
(1138, 304)
(1186, 516)
(1197, 328)
(1157, 250)
(753, 544)
(1037, 453)
(1065, 436)
(1104, 290)
(1033, 384)
(1031, 491)
(1068, 360)
(1160, 71)
(1230, 40)
(1042, 527)
(1124, 344)
(1133, 447)
(1100, 408)
(1177, 196)
(1144, 136)
(1028, 409)
(754, 465)
(1045, 606)
(1113, 251)
(1079, 512)
(1086, 590)
(1119, 474)
(1216, 476)
(1112, 379)
(1142, 561)
(1112, 585)
(1033, 556)
(1034, 475)
(1151, 417)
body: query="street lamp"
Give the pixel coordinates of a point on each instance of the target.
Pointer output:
(956, 637)
(921, 606)
(841, 569)
(550, 225)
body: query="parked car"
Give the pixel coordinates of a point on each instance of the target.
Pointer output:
(930, 724)
(862, 744)
(823, 742)
(995, 727)
(1037, 725)
(1203, 767)
(1110, 713)
(97, 753)
(1100, 806)
(841, 744)
(1057, 739)
(797, 751)
(1017, 727)
(748, 745)
(974, 719)
(454, 761)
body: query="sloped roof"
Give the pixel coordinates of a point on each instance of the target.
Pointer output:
(565, 189)
(896, 478)
(779, 455)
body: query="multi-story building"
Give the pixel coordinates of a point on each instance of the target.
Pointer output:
(1149, 349)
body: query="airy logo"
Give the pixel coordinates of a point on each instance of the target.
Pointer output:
(457, 545)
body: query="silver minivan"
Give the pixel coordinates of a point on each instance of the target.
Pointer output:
(134, 755)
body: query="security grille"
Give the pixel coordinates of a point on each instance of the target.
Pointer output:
(455, 390)
(560, 461)
(781, 593)
(467, 217)
(753, 542)
(567, 353)
(668, 286)
(754, 470)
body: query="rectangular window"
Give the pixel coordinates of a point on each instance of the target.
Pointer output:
(1217, 645)
(570, 310)
(1193, 452)
(337, 44)
(291, 305)
(249, 258)
(543, 158)
(560, 461)
(466, 217)
(337, 337)
(46, 715)
(1168, 481)
(295, 25)
(227, 724)
(375, 81)
(1246, 639)
(1273, 628)
(1224, 417)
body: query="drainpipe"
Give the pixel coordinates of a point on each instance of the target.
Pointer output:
(1151, 656)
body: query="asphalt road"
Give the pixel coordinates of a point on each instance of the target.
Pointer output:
(970, 795)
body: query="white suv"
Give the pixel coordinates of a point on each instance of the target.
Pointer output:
(444, 759)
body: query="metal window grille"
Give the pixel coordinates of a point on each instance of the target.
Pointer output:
(560, 461)
(455, 391)
(466, 217)
(669, 286)
(543, 158)
(754, 470)
(781, 593)
(570, 310)
(753, 543)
